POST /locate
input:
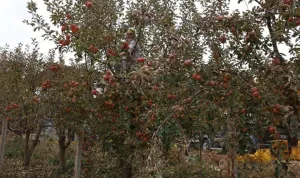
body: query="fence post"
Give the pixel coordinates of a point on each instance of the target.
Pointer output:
(233, 145)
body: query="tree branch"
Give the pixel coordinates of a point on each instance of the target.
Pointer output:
(274, 43)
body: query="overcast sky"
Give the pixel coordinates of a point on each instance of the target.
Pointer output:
(14, 31)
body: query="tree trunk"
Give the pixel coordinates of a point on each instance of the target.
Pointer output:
(63, 147)
(62, 159)
(3, 141)
(28, 151)
(126, 169)
(78, 155)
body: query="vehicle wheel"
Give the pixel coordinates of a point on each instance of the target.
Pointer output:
(205, 145)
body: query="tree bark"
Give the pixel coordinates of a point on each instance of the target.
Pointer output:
(28, 150)
(126, 169)
(3, 141)
(62, 148)
(78, 155)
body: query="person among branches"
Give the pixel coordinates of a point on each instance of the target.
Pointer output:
(130, 51)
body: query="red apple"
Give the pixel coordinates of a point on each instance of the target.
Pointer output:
(68, 37)
(275, 111)
(255, 94)
(94, 92)
(212, 83)
(140, 59)
(63, 28)
(271, 130)
(220, 18)
(106, 77)
(68, 16)
(194, 76)
(245, 129)
(91, 48)
(108, 72)
(222, 39)
(198, 77)
(278, 106)
(253, 89)
(188, 62)
(243, 110)
(298, 22)
(67, 110)
(288, 2)
(276, 61)
(95, 50)
(233, 30)
(74, 28)
(88, 4)
(67, 42)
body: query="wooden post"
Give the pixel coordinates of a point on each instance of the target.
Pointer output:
(78, 155)
(3, 141)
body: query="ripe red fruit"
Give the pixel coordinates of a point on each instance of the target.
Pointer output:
(68, 37)
(111, 52)
(138, 134)
(278, 106)
(243, 110)
(233, 30)
(253, 89)
(212, 83)
(271, 130)
(74, 28)
(68, 16)
(67, 42)
(15, 105)
(222, 39)
(106, 77)
(61, 42)
(290, 19)
(288, 2)
(52, 68)
(125, 46)
(91, 48)
(88, 4)
(220, 18)
(95, 50)
(35, 99)
(67, 110)
(63, 28)
(65, 86)
(198, 77)
(94, 92)
(298, 22)
(245, 129)
(255, 94)
(276, 61)
(194, 76)
(108, 72)
(140, 60)
(276, 111)
(188, 62)
(171, 96)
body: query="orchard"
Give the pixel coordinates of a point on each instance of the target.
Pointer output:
(202, 69)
